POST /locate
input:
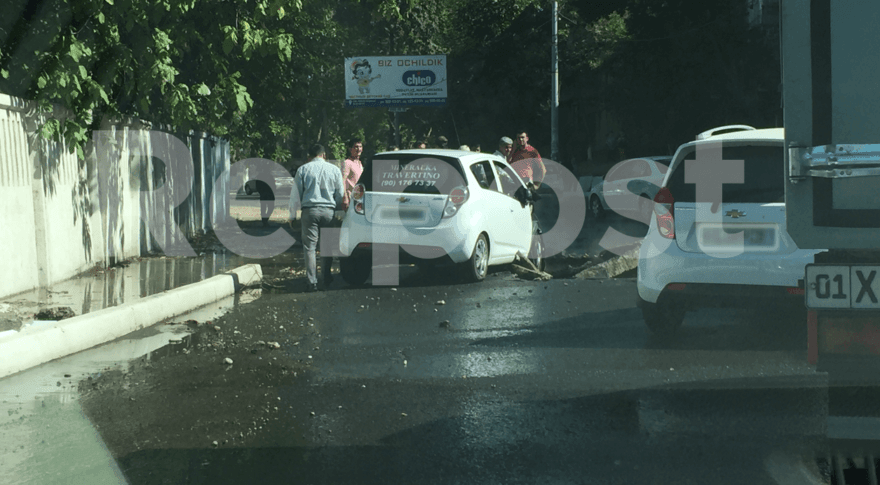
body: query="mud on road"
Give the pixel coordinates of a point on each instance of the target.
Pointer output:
(226, 376)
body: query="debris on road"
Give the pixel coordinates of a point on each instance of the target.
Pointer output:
(626, 259)
(227, 361)
(56, 313)
(525, 269)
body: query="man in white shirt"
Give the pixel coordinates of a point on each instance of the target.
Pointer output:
(318, 190)
(505, 146)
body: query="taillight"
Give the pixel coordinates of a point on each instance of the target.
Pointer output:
(457, 197)
(664, 210)
(357, 196)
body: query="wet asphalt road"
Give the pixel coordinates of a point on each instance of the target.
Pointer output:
(528, 382)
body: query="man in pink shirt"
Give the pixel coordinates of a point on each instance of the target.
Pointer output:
(352, 168)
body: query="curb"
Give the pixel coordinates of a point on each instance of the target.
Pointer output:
(37, 344)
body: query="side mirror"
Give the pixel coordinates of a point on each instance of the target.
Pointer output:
(533, 192)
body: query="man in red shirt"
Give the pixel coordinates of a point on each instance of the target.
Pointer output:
(527, 161)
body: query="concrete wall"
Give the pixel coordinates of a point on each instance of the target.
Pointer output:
(61, 215)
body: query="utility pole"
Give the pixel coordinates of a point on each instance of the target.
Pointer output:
(554, 92)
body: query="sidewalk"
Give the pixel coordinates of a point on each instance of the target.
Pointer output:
(244, 213)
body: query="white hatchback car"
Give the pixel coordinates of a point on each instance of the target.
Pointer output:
(706, 251)
(439, 205)
(628, 187)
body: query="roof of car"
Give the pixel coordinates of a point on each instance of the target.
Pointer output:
(761, 134)
(435, 152)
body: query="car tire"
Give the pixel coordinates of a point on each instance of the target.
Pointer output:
(662, 320)
(476, 267)
(355, 270)
(536, 253)
(596, 209)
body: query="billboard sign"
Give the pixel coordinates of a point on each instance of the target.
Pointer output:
(395, 81)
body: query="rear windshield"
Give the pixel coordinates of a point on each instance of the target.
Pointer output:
(764, 177)
(411, 173)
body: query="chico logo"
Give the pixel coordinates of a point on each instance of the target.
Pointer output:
(419, 78)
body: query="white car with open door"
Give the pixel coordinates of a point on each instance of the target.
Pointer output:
(433, 206)
(702, 250)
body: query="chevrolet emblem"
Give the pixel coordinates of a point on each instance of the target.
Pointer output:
(403, 199)
(735, 214)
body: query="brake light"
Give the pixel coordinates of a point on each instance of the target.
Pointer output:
(357, 195)
(664, 210)
(457, 197)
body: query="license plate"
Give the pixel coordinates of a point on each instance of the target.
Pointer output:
(842, 286)
(739, 236)
(404, 213)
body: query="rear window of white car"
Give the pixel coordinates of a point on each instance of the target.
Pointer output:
(412, 174)
(764, 177)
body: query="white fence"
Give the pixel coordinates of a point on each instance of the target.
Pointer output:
(61, 215)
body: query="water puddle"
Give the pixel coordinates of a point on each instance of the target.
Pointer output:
(99, 289)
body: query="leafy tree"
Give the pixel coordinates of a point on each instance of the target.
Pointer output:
(267, 74)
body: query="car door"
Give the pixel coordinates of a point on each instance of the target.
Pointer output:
(492, 208)
(518, 218)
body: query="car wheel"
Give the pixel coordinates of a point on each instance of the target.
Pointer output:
(476, 268)
(536, 253)
(596, 208)
(355, 269)
(662, 320)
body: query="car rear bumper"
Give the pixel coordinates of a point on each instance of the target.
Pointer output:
(690, 296)
(404, 254)
(446, 240)
(663, 263)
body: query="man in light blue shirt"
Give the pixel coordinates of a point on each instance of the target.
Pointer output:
(317, 189)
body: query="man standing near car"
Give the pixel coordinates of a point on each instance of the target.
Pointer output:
(352, 168)
(505, 145)
(266, 188)
(527, 161)
(318, 190)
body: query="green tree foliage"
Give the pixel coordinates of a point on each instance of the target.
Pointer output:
(268, 74)
(174, 62)
(688, 66)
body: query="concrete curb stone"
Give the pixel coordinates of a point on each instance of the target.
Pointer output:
(613, 267)
(47, 341)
